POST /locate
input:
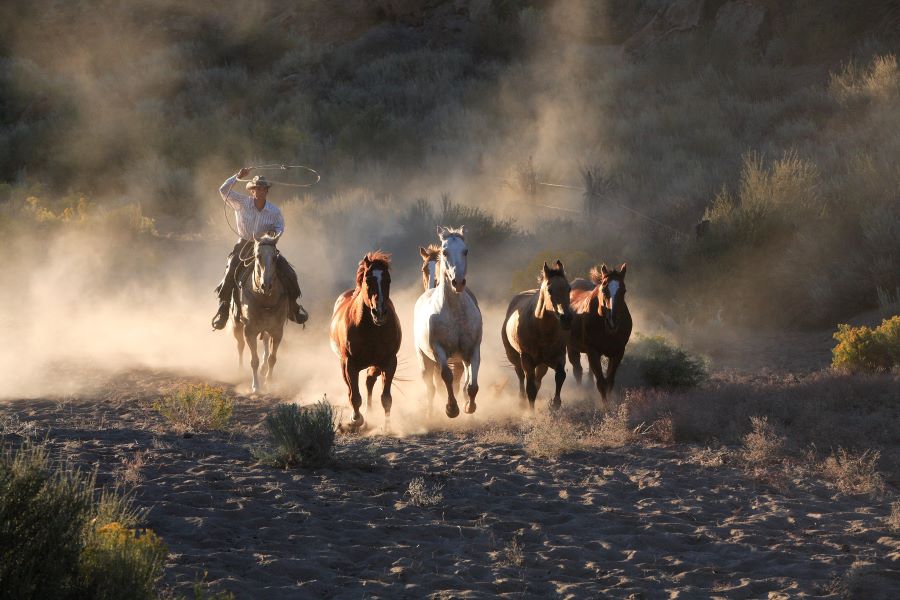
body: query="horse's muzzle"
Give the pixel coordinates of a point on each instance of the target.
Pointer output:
(378, 319)
(459, 286)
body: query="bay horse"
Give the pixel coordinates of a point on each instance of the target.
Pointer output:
(536, 330)
(447, 324)
(365, 334)
(602, 325)
(260, 309)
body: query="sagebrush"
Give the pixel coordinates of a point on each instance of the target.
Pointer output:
(196, 407)
(301, 436)
(59, 539)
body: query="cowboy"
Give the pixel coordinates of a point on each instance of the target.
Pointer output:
(254, 216)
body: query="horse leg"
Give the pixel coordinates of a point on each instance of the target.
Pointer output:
(351, 376)
(371, 377)
(459, 369)
(530, 387)
(273, 356)
(594, 360)
(250, 338)
(539, 372)
(237, 329)
(560, 369)
(575, 360)
(611, 369)
(452, 408)
(387, 379)
(472, 380)
(265, 337)
(427, 369)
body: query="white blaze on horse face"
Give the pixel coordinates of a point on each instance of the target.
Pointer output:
(453, 255)
(377, 274)
(431, 265)
(613, 288)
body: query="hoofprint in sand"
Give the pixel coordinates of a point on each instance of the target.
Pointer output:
(464, 513)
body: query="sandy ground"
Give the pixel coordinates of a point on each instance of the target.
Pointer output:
(634, 522)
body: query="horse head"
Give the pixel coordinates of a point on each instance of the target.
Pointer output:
(454, 257)
(612, 290)
(265, 254)
(374, 281)
(554, 294)
(431, 257)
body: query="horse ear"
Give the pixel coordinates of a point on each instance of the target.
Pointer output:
(622, 268)
(546, 270)
(441, 232)
(604, 270)
(423, 252)
(559, 265)
(367, 261)
(462, 232)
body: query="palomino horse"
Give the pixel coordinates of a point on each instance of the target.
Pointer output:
(447, 324)
(263, 308)
(365, 334)
(602, 325)
(535, 332)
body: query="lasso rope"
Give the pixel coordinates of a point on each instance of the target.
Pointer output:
(281, 167)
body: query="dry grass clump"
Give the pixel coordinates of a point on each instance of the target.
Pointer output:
(59, 540)
(866, 350)
(763, 445)
(854, 473)
(423, 494)
(552, 435)
(513, 554)
(130, 472)
(300, 435)
(893, 520)
(614, 429)
(195, 408)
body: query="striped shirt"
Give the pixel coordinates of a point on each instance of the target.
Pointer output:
(251, 222)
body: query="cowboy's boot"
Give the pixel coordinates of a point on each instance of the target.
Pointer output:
(221, 318)
(297, 313)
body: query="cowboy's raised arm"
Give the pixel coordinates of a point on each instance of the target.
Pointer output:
(232, 198)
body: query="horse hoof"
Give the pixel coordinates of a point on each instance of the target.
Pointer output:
(452, 411)
(555, 403)
(470, 408)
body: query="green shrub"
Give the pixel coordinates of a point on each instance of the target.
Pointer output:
(861, 349)
(196, 408)
(57, 540)
(660, 363)
(300, 435)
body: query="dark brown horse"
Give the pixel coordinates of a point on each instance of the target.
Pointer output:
(536, 330)
(365, 334)
(602, 325)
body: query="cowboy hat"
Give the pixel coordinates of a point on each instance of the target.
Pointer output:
(258, 181)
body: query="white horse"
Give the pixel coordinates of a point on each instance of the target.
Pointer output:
(447, 324)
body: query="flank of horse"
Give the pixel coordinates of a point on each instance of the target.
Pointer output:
(536, 330)
(261, 310)
(365, 334)
(447, 324)
(602, 325)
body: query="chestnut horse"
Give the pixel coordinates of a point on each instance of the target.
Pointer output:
(365, 334)
(535, 332)
(602, 325)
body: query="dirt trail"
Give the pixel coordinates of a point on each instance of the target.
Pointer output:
(634, 522)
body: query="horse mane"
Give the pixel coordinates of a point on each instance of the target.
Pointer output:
(434, 252)
(454, 232)
(596, 277)
(376, 257)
